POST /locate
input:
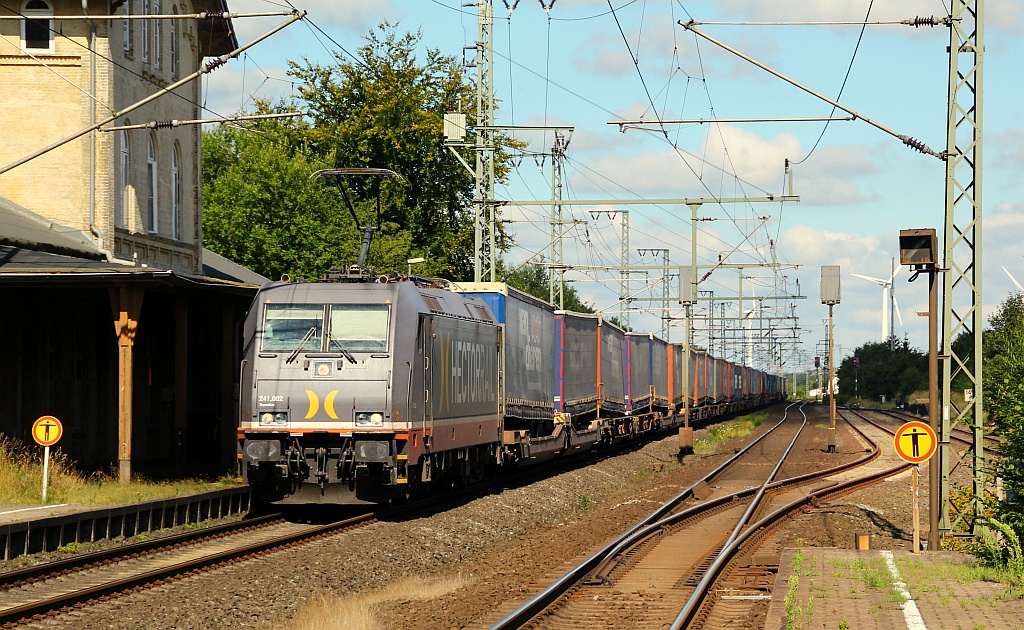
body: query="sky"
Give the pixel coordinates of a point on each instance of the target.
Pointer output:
(583, 63)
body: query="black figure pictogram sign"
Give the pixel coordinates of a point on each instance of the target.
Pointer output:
(47, 431)
(915, 442)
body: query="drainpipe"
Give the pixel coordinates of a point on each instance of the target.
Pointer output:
(92, 134)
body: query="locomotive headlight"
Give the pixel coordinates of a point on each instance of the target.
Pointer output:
(270, 418)
(262, 450)
(369, 419)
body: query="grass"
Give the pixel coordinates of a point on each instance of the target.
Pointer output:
(21, 479)
(740, 427)
(362, 611)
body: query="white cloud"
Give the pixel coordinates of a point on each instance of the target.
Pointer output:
(756, 160)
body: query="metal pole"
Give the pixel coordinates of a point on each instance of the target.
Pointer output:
(933, 408)
(46, 470)
(917, 509)
(831, 393)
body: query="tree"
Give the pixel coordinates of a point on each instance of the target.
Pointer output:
(260, 210)
(534, 280)
(1003, 352)
(895, 374)
(384, 110)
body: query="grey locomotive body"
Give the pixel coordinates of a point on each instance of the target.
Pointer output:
(353, 392)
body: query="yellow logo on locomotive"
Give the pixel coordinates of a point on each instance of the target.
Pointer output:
(314, 404)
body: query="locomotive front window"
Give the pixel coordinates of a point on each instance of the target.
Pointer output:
(358, 327)
(287, 327)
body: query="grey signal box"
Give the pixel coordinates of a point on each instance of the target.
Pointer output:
(830, 284)
(686, 286)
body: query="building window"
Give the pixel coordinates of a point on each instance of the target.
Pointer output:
(126, 10)
(175, 193)
(174, 44)
(151, 177)
(126, 161)
(157, 27)
(145, 32)
(37, 27)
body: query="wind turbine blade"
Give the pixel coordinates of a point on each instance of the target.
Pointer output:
(1019, 288)
(897, 305)
(895, 273)
(878, 280)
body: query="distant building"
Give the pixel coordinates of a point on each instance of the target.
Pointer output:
(136, 193)
(115, 319)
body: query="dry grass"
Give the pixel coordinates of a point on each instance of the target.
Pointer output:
(359, 611)
(21, 481)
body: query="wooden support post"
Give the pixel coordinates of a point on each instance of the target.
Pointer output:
(180, 380)
(126, 302)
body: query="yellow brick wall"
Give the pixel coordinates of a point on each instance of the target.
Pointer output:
(46, 103)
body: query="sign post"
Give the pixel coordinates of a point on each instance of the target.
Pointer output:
(916, 442)
(46, 431)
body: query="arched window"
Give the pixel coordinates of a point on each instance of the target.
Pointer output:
(151, 178)
(126, 161)
(37, 27)
(145, 32)
(174, 44)
(175, 193)
(157, 27)
(126, 10)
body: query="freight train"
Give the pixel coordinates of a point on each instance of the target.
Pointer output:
(355, 392)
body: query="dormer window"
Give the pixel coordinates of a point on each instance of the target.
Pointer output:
(37, 27)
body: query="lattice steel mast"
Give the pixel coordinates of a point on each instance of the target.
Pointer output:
(961, 291)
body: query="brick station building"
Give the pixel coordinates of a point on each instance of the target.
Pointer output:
(115, 318)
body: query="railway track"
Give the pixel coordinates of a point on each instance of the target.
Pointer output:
(54, 587)
(661, 572)
(993, 443)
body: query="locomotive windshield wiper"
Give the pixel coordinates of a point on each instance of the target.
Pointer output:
(309, 334)
(341, 349)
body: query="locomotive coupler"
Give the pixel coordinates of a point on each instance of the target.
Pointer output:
(320, 455)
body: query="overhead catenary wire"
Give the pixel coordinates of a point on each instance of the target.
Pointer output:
(843, 86)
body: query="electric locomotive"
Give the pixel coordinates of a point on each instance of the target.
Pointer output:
(358, 392)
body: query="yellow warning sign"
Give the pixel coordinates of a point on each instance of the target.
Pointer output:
(47, 431)
(915, 442)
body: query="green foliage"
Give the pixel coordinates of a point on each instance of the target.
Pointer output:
(383, 110)
(21, 475)
(261, 210)
(1003, 351)
(893, 373)
(534, 280)
(793, 610)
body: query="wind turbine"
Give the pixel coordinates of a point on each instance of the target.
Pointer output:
(888, 301)
(1019, 288)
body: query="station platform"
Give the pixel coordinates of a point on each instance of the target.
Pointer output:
(26, 529)
(17, 513)
(866, 589)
